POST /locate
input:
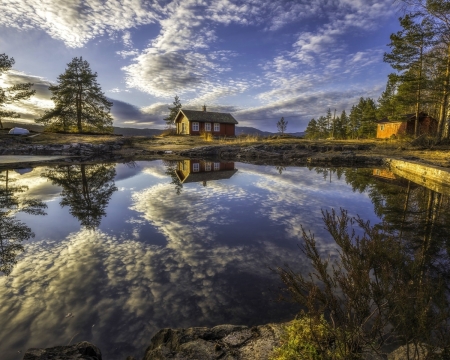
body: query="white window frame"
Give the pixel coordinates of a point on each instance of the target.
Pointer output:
(195, 167)
(216, 127)
(216, 166)
(207, 126)
(381, 127)
(195, 126)
(207, 166)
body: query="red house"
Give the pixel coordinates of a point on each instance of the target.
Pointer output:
(405, 126)
(193, 122)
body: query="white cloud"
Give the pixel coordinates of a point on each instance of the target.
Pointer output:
(77, 21)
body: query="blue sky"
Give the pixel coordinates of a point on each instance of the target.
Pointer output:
(257, 59)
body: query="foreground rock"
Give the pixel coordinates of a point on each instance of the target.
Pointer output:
(82, 350)
(220, 342)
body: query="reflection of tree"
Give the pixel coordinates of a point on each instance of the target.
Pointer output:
(171, 167)
(87, 190)
(12, 231)
(280, 169)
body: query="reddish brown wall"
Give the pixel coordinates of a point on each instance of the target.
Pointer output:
(225, 129)
(223, 166)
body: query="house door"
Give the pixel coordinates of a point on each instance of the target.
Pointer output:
(183, 128)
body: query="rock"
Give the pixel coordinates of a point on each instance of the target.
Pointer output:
(82, 350)
(223, 341)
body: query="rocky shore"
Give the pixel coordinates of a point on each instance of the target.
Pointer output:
(220, 342)
(120, 150)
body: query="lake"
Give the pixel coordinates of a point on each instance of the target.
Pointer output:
(114, 252)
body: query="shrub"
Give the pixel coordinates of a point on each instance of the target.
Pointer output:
(207, 136)
(300, 338)
(382, 290)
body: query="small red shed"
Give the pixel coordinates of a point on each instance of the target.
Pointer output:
(193, 122)
(405, 126)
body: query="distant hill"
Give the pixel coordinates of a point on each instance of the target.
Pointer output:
(247, 130)
(240, 130)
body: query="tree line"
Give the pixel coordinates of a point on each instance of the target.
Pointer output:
(80, 104)
(420, 55)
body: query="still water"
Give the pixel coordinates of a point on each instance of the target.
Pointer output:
(114, 252)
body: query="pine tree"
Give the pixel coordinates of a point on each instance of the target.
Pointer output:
(312, 131)
(282, 125)
(79, 101)
(170, 120)
(13, 93)
(322, 126)
(344, 124)
(407, 55)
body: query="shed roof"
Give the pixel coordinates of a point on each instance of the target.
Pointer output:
(405, 118)
(208, 116)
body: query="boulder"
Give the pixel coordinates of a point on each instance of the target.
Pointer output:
(220, 342)
(82, 350)
(18, 131)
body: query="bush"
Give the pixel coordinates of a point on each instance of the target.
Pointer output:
(300, 339)
(381, 291)
(207, 136)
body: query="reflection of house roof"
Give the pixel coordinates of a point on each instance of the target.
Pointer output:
(404, 118)
(209, 116)
(206, 176)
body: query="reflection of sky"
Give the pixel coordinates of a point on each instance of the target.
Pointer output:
(164, 260)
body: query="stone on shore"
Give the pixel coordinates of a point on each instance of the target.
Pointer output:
(220, 342)
(82, 350)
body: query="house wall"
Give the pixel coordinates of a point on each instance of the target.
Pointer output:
(386, 130)
(223, 165)
(225, 129)
(183, 120)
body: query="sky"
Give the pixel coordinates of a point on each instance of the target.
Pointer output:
(259, 60)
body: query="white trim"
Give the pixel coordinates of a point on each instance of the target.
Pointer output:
(216, 126)
(216, 166)
(207, 126)
(207, 166)
(195, 167)
(195, 126)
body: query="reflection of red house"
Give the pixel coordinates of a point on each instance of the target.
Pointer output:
(405, 126)
(203, 171)
(193, 122)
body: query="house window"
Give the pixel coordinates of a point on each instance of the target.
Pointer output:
(381, 127)
(195, 126)
(207, 126)
(208, 166)
(195, 167)
(216, 166)
(216, 127)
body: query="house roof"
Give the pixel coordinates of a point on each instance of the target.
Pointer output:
(405, 117)
(208, 116)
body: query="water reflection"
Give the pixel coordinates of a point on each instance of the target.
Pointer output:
(87, 190)
(189, 171)
(171, 253)
(12, 231)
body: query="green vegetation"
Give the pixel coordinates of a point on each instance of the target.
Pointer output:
(282, 125)
(301, 337)
(170, 120)
(13, 93)
(80, 104)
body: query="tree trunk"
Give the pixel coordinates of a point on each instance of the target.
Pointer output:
(80, 129)
(419, 88)
(444, 102)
